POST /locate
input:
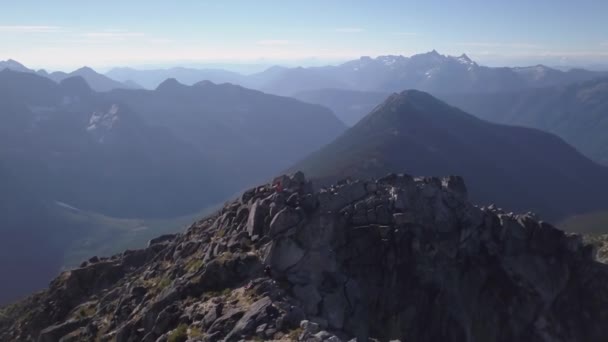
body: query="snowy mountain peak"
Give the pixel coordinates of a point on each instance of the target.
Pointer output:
(464, 59)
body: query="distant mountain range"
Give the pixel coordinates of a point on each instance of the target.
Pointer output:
(578, 112)
(430, 72)
(519, 168)
(150, 79)
(96, 81)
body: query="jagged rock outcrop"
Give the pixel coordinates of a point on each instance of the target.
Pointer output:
(397, 258)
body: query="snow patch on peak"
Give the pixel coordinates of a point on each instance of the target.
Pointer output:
(390, 61)
(464, 59)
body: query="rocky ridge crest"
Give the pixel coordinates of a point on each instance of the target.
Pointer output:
(396, 258)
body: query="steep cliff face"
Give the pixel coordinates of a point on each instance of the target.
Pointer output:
(396, 258)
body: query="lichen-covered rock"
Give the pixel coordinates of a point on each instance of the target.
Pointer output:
(400, 258)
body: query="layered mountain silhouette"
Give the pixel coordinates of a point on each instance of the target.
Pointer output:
(578, 113)
(431, 71)
(152, 78)
(96, 81)
(518, 168)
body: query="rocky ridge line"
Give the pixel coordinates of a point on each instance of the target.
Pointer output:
(397, 258)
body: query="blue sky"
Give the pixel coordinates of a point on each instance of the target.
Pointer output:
(64, 34)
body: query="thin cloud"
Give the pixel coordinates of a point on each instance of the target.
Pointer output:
(112, 34)
(547, 53)
(350, 30)
(160, 41)
(604, 43)
(502, 45)
(29, 29)
(410, 34)
(273, 42)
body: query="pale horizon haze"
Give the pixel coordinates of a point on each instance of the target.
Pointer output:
(65, 34)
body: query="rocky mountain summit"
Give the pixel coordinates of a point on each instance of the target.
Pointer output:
(394, 258)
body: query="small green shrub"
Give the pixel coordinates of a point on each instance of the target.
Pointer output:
(194, 265)
(294, 335)
(86, 311)
(180, 334)
(163, 283)
(195, 332)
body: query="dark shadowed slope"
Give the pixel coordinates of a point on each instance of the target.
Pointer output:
(518, 168)
(251, 135)
(31, 238)
(578, 113)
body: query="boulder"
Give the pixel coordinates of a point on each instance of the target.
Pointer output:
(260, 312)
(310, 327)
(284, 253)
(255, 220)
(284, 220)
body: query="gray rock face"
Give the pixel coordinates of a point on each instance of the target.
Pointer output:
(309, 296)
(400, 258)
